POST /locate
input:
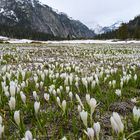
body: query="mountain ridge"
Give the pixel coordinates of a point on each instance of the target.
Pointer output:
(98, 29)
(31, 14)
(129, 30)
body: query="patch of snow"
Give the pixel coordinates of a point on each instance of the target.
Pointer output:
(3, 38)
(39, 2)
(97, 28)
(32, 2)
(115, 25)
(19, 41)
(93, 42)
(9, 14)
(1, 10)
(100, 30)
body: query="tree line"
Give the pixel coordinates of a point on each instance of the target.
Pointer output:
(26, 33)
(126, 31)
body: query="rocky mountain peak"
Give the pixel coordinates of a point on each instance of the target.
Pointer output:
(42, 18)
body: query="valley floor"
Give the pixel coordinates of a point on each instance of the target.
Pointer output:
(70, 91)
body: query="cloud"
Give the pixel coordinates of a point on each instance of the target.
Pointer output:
(104, 12)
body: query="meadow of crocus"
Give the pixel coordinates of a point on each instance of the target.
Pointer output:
(70, 91)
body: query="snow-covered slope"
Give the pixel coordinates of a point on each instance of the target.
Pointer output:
(99, 29)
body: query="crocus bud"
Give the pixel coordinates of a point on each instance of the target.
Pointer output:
(90, 133)
(37, 85)
(67, 89)
(97, 129)
(79, 100)
(12, 103)
(79, 108)
(23, 74)
(36, 106)
(84, 116)
(136, 114)
(0, 120)
(28, 135)
(93, 84)
(88, 98)
(23, 97)
(36, 79)
(116, 123)
(70, 95)
(1, 130)
(118, 92)
(93, 105)
(64, 105)
(58, 101)
(46, 96)
(135, 77)
(41, 84)
(17, 117)
(134, 100)
(7, 94)
(113, 124)
(35, 95)
(64, 138)
(12, 90)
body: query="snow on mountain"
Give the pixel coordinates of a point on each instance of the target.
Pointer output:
(116, 25)
(99, 29)
(9, 14)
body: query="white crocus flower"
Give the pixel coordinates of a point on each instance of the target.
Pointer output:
(7, 94)
(23, 73)
(135, 77)
(64, 105)
(93, 84)
(28, 135)
(46, 96)
(84, 117)
(12, 103)
(67, 89)
(97, 129)
(134, 100)
(70, 95)
(79, 100)
(116, 123)
(17, 117)
(93, 104)
(90, 133)
(36, 106)
(1, 130)
(35, 95)
(64, 138)
(88, 98)
(23, 97)
(79, 108)
(12, 90)
(118, 92)
(136, 114)
(0, 120)
(58, 101)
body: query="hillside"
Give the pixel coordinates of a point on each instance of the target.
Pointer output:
(30, 17)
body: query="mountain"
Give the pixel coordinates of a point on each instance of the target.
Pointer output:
(130, 30)
(37, 17)
(97, 28)
(100, 30)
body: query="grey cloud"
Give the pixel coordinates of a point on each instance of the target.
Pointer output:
(104, 12)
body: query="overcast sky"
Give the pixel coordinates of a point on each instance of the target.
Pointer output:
(103, 12)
